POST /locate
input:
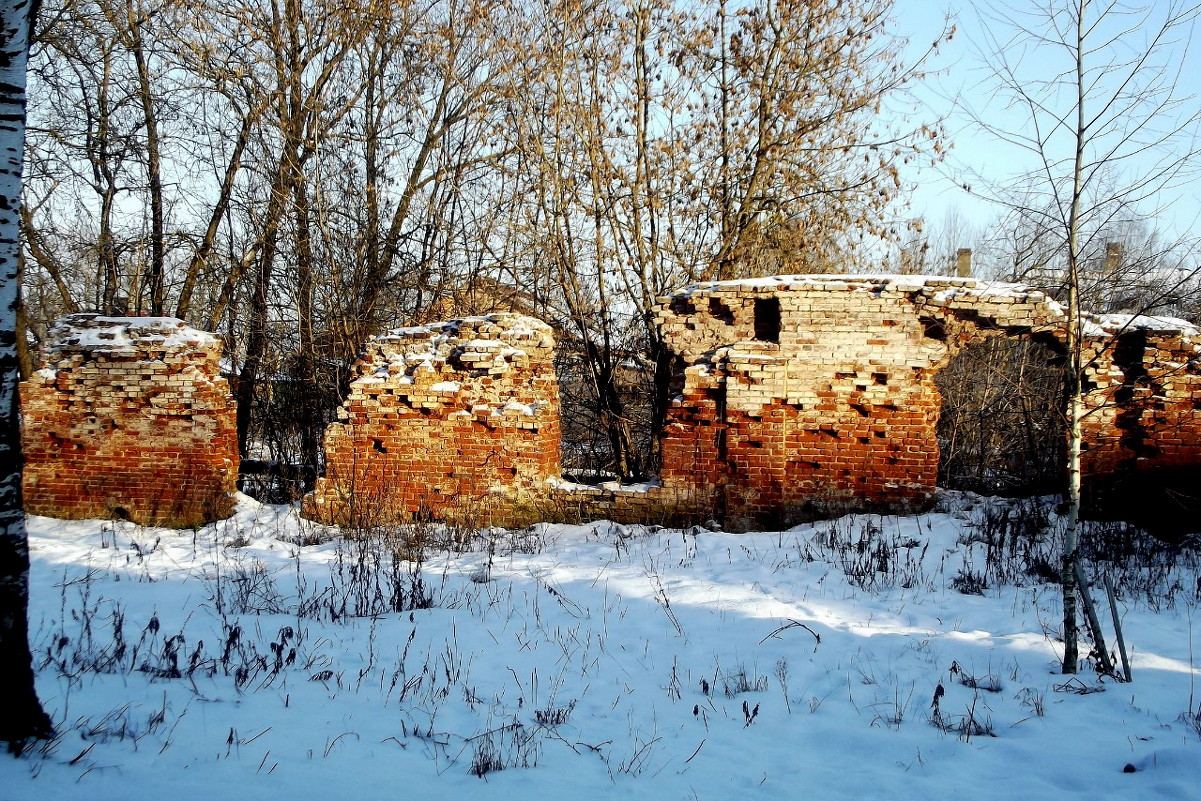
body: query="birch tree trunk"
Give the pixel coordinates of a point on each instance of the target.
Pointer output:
(23, 719)
(1095, 100)
(1075, 346)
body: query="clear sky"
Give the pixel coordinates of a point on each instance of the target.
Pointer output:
(959, 70)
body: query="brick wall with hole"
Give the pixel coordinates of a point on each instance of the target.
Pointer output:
(458, 417)
(129, 418)
(803, 395)
(794, 396)
(1144, 399)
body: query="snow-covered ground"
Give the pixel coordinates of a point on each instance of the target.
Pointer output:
(595, 661)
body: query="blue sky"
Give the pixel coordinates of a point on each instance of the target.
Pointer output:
(959, 70)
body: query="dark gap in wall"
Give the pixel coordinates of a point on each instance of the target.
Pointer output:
(767, 319)
(1128, 356)
(933, 329)
(721, 311)
(682, 306)
(1000, 427)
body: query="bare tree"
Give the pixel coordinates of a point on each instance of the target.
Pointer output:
(103, 89)
(1108, 132)
(301, 175)
(668, 143)
(799, 166)
(24, 718)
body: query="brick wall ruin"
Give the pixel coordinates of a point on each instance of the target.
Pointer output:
(1142, 446)
(793, 396)
(440, 416)
(1145, 394)
(129, 418)
(802, 393)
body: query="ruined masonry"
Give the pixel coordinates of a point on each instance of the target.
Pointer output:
(805, 393)
(1144, 397)
(793, 396)
(129, 418)
(443, 418)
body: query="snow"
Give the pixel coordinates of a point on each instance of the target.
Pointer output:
(593, 662)
(734, 355)
(406, 332)
(517, 407)
(482, 345)
(92, 331)
(1115, 323)
(633, 488)
(947, 286)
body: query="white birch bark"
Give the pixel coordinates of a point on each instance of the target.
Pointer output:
(23, 719)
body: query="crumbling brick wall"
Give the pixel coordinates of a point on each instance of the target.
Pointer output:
(1144, 400)
(443, 415)
(794, 395)
(129, 418)
(800, 394)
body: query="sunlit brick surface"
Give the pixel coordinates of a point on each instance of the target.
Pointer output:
(130, 418)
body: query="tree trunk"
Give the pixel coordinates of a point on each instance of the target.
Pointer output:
(155, 278)
(309, 382)
(23, 719)
(1071, 654)
(256, 336)
(1075, 363)
(208, 243)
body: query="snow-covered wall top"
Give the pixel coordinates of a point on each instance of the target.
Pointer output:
(1104, 325)
(938, 289)
(94, 332)
(844, 281)
(495, 343)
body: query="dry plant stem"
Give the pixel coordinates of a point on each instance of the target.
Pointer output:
(1090, 611)
(790, 625)
(1117, 628)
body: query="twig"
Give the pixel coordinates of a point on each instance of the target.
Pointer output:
(792, 624)
(1090, 612)
(1075, 685)
(1117, 628)
(497, 730)
(82, 754)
